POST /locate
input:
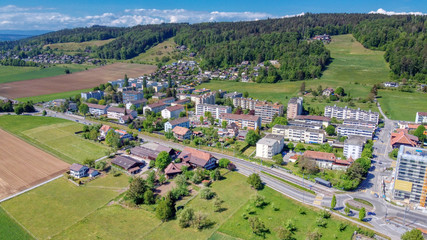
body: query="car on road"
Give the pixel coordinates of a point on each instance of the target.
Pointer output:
(371, 214)
(376, 195)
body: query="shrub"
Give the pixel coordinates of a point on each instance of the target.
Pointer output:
(200, 220)
(342, 227)
(284, 234)
(257, 226)
(207, 194)
(259, 201)
(320, 222)
(185, 217)
(290, 225)
(302, 211)
(325, 214)
(255, 181)
(223, 162)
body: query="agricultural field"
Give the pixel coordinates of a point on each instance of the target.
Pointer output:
(77, 46)
(55, 136)
(10, 229)
(353, 67)
(154, 55)
(50, 209)
(402, 105)
(23, 165)
(53, 96)
(75, 81)
(13, 74)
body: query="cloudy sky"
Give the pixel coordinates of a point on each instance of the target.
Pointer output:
(58, 14)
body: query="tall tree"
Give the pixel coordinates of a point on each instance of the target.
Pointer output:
(163, 160)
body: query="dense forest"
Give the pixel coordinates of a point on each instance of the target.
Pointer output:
(224, 44)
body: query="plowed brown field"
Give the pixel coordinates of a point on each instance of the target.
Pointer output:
(75, 81)
(23, 165)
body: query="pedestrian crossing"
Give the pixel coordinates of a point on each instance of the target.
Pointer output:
(318, 199)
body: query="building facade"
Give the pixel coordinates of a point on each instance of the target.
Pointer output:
(245, 103)
(269, 146)
(216, 110)
(347, 131)
(312, 119)
(294, 107)
(155, 107)
(249, 122)
(98, 95)
(421, 117)
(360, 123)
(132, 96)
(343, 113)
(353, 147)
(172, 112)
(411, 175)
(267, 110)
(182, 122)
(96, 109)
(300, 134)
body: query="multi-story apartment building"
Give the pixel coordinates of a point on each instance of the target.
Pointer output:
(304, 124)
(294, 107)
(411, 175)
(182, 122)
(346, 130)
(242, 121)
(353, 146)
(245, 103)
(98, 95)
(154, 107)
(96, 109)
(233, 95)
(132, 96)
(269, 146)
(421, 117)
(300, 134)
(343, 113)
(216, 110)
(313, 119)
(360, 123)
(208, 98)
(172, 112)
(267, 110)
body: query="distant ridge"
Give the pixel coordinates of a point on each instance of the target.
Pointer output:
(11, 35)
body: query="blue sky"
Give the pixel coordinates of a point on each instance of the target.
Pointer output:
(57, 14)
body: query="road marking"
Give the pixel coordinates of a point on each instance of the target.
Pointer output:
(317, 203)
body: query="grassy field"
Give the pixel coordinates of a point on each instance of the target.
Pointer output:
(354, 68)
(162, 49)
(13, 74)
(55, 136)
(402, 105)
(53, 96)
(77, 46)
(48, 210)
(10, 229)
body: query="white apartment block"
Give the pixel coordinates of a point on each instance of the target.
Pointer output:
(269, 146)
(353, 147)
(343, 113)
(207, 98)
(421, 117)
(172, 112)
(300, 134)
(267, 111)
(345, 130)
(216, 110)
(360, 123)
(245, 103)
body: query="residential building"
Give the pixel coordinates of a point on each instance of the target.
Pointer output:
(232, 129)
(391, 84)
(360, 123)
(185, 89)
(104, 130)
(245, 103)
(304, 124)
(411, 175)
(123, 134)
(127, 163)
(421, 118)
(174, 169)
(343, 113)
(346, 130)
(327, 160)
(313, 119)
(294, 107)
(132, 96)
(154, 107)
(403, 138)
(159, 95)
(181, 102)
(328, 92)
(181, 133)
(269, 146)
(168, 101)
(172, 112)
(197, 158)
(136, 103)
(182, 122)
(233, 95)
(96, 109)
(98, 95)
(300, 134)
(126, 119)
(78, 170)
(268, 110)
(207, 98)
(115, 113)
(216, 110)
(249, 122)
(353, 146)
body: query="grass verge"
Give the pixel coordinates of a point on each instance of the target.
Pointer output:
(290, 183)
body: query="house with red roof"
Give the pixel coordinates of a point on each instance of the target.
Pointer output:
(402, 137)
(197, 158)
(328, 160)
(174, 169)
(181, 133)
(104, 130)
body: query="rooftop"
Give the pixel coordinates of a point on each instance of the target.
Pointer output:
(313, 117)
(175, 108)
(117, 110)
(240, 116)
(97, 106)
(179, 121)
(157, 104)
(355, 140)
(320, 155)
(180, 130)
(270, 139)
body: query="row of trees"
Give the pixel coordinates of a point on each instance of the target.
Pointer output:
(17, 108)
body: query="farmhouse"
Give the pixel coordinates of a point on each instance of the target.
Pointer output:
(181, 133)
(403, 138)
(174, 169)
(96, 109)
(104, 130)
(129, 164)
(197, 158)
(327, 160)
(81, 171)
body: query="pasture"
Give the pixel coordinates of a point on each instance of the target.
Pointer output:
(23, 165)
(155, 54)
(10, 229)
(53, 96)
(13, 74)
(50, 209)
(55, 136)
(74, 81)
(402, 105)
(77, 46)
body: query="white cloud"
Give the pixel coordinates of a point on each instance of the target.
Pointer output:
(14, 17)
(382, 11)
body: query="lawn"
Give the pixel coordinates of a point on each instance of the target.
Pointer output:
(13, 74)
(353, 67)
(53, 96)
(55, 136)
(402, 105)
(10, 229)
(77, 46)
(49, 210)
(155, 54)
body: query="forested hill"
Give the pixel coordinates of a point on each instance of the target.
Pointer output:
(228, 43)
